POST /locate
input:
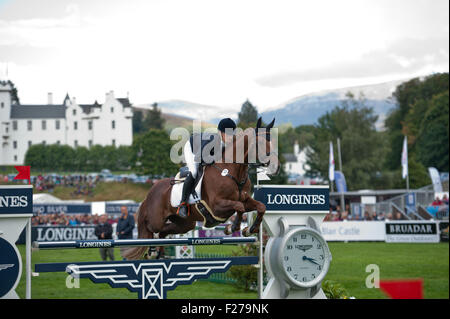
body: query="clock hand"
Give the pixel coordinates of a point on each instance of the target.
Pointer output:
(310, 259)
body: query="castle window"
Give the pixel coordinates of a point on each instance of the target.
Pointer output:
(57, 143)
(90, 143)
(75, 125)
(30, 125)
(57, 124)
(114, 142)
(14, 125)
(113, 123)
(74, 112)
(14, 144)
(112, 110)
(76, 143)
(15, 158)
(29, 143)
(44, 125)
(90, 125)
(3, 104)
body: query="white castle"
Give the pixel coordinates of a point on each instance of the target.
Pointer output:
(68, 123)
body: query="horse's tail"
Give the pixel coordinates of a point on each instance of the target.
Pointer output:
(136, 253)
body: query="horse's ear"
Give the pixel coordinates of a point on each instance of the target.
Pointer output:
(258, 124)
(271, 124)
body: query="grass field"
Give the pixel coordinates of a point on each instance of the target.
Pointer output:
(395, 261)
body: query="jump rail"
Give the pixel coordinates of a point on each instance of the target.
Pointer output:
(143, 242)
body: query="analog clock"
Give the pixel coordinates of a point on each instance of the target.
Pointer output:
(300, 256)
(304, 257)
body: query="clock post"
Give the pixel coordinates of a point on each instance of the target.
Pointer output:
(296, 256)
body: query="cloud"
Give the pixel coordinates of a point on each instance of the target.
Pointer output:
(407, 55)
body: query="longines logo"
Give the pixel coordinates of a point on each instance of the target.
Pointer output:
(13, 201)
(295, 199)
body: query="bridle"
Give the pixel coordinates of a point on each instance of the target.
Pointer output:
(241, 183)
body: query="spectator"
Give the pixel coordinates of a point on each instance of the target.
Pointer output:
(73, 221)
(445, 199)
(367, 216)
(104, 230)
(125, 226)
(437, 202)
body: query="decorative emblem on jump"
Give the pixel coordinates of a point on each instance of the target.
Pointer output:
(224, 172)
(150, 279)
(9, 267)
(5, 266)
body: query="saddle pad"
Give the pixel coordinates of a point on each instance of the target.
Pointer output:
(177, 190)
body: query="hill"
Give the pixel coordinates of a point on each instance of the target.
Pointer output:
(306, 109)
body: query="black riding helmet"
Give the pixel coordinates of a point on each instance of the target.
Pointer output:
(226, 123)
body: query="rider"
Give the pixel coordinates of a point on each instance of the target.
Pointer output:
(193, 163)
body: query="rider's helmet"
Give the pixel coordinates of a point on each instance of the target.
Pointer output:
(226, 123)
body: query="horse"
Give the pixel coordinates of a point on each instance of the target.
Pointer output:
(224, 194)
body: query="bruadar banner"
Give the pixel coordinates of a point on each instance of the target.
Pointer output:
(412, 232)
(353, 231)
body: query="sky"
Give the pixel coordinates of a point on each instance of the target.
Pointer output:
(216, 53)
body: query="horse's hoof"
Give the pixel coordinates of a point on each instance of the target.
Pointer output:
(246, 232)
(227, 230)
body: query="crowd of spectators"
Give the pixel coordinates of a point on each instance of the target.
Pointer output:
(440, 202)
(335, 215)
(61, 219)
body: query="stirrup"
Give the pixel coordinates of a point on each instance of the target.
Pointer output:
(187, 206)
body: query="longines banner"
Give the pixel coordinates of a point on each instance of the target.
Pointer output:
(293, 198)
(16, 200)
(412, 232)
(59, 233)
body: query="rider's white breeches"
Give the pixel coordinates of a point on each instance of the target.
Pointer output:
(189, 158)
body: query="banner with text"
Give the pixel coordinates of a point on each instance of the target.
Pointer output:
(353, 231)
(412, 232)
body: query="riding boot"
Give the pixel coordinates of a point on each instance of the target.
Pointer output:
(183, 208)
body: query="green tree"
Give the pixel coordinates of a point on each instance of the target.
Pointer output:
(412, 99)
(150, 154)
(248, 116)
(154, 119)
(433, 136)
(361, 145)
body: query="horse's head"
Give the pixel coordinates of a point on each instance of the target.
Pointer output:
(266, 149)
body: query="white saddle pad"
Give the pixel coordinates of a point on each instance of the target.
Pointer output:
(177, 190)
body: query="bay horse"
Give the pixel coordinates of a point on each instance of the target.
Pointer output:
(225, 195)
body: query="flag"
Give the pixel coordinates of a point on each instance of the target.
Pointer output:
(405, 158)
(403, 289)
(331, 165)
(23, 173)
(341, 184)
(436, 179)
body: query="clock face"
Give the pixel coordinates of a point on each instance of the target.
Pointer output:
(304, 257)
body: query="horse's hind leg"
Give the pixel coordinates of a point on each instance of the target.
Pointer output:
(178, 226)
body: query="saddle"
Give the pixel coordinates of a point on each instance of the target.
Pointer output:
(209, 219)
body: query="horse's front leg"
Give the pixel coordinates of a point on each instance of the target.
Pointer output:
(236, 225)
(250, 205)
(225, 206)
